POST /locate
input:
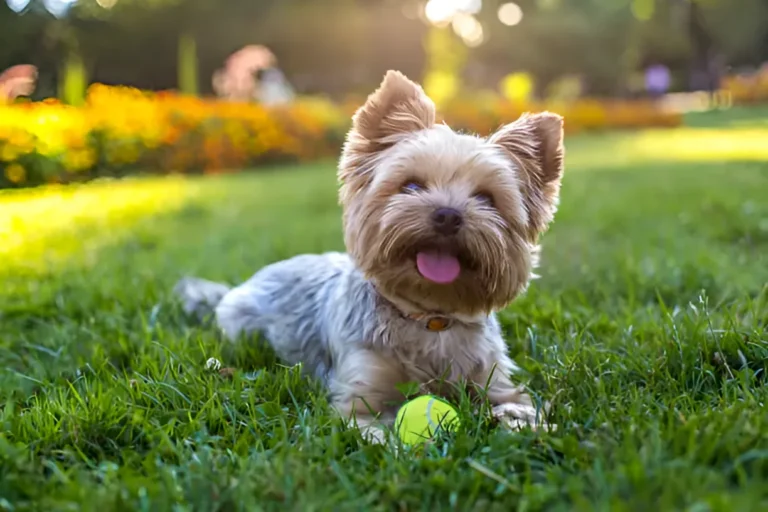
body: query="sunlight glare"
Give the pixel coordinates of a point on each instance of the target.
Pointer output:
(106, 4)
(41, 226)
(510, 14)
(58, 8)
(17, 5)
(469, 29)
(440, 11)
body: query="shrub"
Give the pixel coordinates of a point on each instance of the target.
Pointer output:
(120, 130)
(747, 88)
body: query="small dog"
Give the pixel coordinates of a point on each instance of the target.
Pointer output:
(441, 231)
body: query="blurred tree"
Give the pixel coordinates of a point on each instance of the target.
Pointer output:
(74, 81)
(186, 19)
(606, 41)
(737, 29)
(336, 46)
(322, 45)
(23, 44)
(446, 56)
(561, 38)
(18, 31)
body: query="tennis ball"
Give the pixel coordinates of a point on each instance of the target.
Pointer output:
(421, 418)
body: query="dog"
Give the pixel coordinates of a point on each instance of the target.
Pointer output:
(441, 231)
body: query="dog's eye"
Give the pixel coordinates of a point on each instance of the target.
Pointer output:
(484, 199)
(412, 186)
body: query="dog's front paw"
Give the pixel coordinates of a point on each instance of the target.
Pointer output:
(518, 416)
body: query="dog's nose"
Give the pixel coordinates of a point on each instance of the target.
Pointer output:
(447, 221)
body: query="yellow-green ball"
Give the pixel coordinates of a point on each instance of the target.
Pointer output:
(421, 418)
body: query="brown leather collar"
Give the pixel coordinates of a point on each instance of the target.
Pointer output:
(433, 322)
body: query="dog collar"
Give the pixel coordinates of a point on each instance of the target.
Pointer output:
(433, 323)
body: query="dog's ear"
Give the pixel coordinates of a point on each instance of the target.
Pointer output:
(535, 144)
(398, 107)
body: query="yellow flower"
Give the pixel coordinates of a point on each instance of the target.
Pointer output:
(15, 173)
(128, 127)
(9, 153)
(79, 159)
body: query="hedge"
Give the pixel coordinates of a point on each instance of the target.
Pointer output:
(121, 130)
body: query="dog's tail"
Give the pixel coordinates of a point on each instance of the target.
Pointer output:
(199, 297)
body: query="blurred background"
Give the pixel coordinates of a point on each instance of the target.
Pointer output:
(301, 66)
(337, 47)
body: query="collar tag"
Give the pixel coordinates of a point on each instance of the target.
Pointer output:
(433, 323)
(439, 323)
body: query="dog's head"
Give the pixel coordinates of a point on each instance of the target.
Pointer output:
(444, 221)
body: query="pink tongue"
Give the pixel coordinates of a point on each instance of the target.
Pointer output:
(438, 267)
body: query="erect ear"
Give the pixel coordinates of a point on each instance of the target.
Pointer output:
(398, 107)
(535, 144)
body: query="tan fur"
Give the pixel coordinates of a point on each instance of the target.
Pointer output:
(394, 140)
(353, 319)
(535, 143)
(398, 106)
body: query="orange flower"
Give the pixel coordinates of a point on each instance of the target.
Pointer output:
(131, 129)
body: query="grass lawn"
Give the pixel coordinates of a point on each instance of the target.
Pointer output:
(648, 330)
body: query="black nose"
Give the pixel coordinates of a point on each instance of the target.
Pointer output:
(447, 221)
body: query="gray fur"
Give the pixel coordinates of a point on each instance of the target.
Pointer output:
(320, 311)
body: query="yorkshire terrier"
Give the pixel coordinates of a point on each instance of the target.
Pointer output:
(441, 231)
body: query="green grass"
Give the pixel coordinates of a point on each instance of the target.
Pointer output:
(647, 331)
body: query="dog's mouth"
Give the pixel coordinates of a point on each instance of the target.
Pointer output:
(441, 264)
(440, 267)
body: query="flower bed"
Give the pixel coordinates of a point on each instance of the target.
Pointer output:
(581, 115)
(122, 130)
(745, 89)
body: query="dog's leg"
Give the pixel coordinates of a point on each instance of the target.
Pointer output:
(363, 389)
(512, 405)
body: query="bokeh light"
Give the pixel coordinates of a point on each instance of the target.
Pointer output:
(58, 8)
(469, 29)
(510, 14)
(459, 14)
(17, 5)
(106, 4)
(469, 6)
(440, 11)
